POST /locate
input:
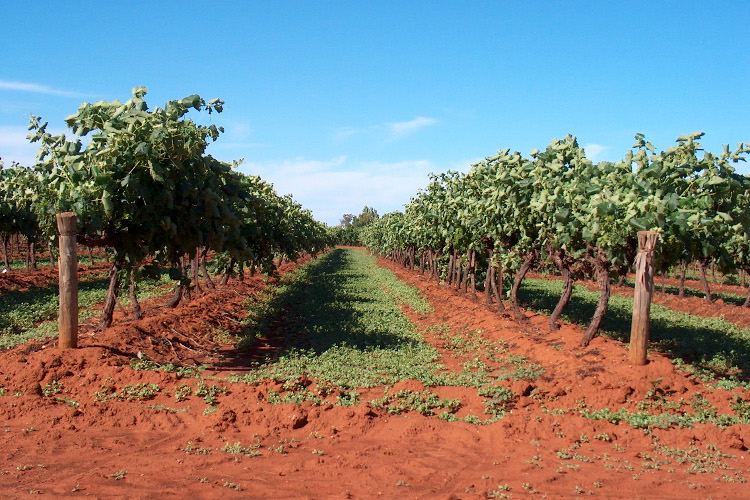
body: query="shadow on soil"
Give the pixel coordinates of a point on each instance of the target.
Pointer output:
(728, 298)
(20, 310)
(322, 305)
(700, 341)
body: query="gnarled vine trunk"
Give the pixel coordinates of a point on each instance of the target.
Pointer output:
(229, 271)
(181, 291)
(135, 306)
(194, 265)
(6, 238)
(488, 279)
(704, 280)
(111, 300)
(497, 291)
(528, 261)
(560, 260)
(435, 266)
(451, 268)
(683, 274)
(466, 272)
(601, 267)
(473, 275)
(204, 269)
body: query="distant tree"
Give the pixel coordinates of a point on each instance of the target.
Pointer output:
(352, 225)
(367, 217)
(346, 220)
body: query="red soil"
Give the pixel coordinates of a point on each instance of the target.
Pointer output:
(50, 447)
(21, 279)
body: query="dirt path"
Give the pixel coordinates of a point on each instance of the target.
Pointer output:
(160, 447)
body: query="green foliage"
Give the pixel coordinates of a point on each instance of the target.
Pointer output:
(209, 393)
(345, 330)
(182, 392)
(139, 392)
(238, 449)
(576, 215)
(193, 449)
(141, 183)
(20, 188)
(425, 402)
(181, 371)
(500, 399)
(130, 392)
(120, 474)
(52, 388)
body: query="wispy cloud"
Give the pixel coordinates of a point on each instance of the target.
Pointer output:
(348, 132)
(403, 129)
(36, 88)
(237, 131)
(15, 147)
(232, 146)
(331, 188)
(594, 151)
(387, 131)
(236, 137)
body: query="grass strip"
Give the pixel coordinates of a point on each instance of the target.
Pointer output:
(728, 298)
(32, 315)
(343, 328)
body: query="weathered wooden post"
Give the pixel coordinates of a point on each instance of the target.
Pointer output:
(67, 225)
(644, 288)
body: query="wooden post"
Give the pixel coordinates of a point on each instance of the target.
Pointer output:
(67, 224)
(644, 289)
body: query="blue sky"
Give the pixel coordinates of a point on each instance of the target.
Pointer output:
(353, 103)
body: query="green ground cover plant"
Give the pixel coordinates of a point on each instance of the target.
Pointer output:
(344, 328)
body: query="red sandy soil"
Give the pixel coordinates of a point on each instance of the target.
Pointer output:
(44, 276)
(133, 449)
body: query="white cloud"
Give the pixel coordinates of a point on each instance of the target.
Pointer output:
(15, 147)
(402, 129)
(236, 137)
(36, 88)
(388, 131)
(231, 146)
(337, 186)
(594, 151)
(347, 132)
(237, 131)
